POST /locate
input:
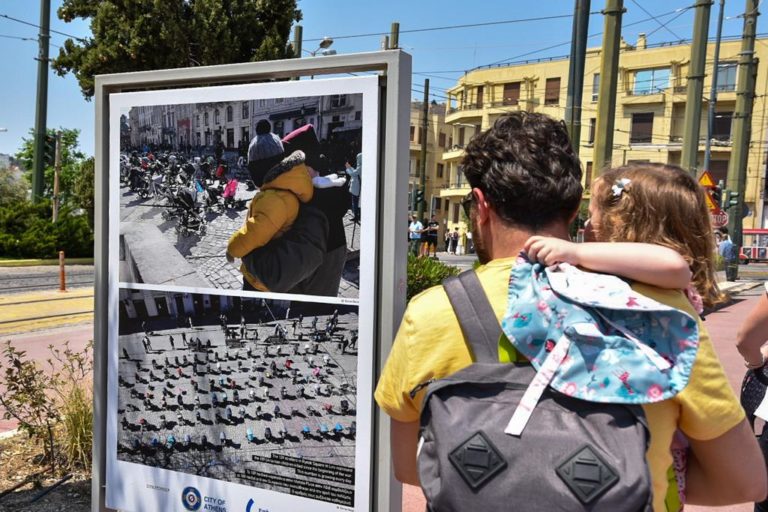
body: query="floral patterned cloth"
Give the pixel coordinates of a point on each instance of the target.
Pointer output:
(622, 347)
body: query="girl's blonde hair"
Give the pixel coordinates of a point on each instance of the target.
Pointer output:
(664, 205)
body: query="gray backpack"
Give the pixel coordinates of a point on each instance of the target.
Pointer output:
(573, 455)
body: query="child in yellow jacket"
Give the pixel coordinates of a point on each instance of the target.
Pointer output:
(283, 184)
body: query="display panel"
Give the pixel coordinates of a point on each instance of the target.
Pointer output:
(240, 370)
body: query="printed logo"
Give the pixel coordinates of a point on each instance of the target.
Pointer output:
(191, 499)
(251, 507)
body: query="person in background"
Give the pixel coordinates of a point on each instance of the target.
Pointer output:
(730, 254)
(354, 185)
(415, 229)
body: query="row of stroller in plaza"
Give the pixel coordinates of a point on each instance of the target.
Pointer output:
(189, 189)
(169, 442)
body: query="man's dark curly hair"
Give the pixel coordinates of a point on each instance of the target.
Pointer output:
(526, 168)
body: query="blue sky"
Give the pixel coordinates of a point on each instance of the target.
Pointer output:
(443, 54)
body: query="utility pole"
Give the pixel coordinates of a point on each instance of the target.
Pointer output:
(394, 37)
(56, 173)
(609, 76)
(713, 93)
(298, 37)
(422, 191)
(576, 72)
(41, 113)
(742, 120)
(692, 119)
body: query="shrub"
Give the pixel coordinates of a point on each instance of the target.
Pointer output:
(425, 273)
(26, 231)
(41, 401)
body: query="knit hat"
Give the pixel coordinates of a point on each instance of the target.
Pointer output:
(305, 139)
(264, 152)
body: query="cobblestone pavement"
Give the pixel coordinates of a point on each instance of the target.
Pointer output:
(326, 378)
(207, 252)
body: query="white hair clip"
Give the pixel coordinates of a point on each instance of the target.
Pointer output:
(619, 186)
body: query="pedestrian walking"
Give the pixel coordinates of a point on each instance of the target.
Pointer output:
(415, 230)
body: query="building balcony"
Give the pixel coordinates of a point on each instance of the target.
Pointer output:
(722, 144)
(502, 107)
(631, 98)
(453, 153)
(455, 189)
(464, 113)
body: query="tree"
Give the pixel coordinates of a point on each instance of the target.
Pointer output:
(141, 35)
(13, 188)
(72, 159)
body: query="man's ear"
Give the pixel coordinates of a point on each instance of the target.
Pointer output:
(573, 215)
(481, 206)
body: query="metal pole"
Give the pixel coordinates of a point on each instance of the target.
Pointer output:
(298, 35)
(609, 76)
(424, 137)
(62, 274)
(576, 71)
(713, 94)
(742, 118)
(394, 38)
(41, 103)
(692, 117)
(56, 173)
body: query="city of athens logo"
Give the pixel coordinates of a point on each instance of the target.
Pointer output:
(191, 499)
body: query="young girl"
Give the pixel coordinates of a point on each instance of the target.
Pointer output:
(648, 223)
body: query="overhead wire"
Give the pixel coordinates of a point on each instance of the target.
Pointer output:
(17, 20)
(662, 25)
(451, 27)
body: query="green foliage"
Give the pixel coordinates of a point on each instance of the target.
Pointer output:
(72, 160)
(581, 218)
(12, 188)
(24, 397)
(26, 231)
(425, 273)
(71, 373)
(141, 35)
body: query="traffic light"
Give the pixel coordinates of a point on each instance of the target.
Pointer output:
(729, 199)
(49, 150)
(419, 196)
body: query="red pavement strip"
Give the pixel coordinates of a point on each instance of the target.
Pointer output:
(36, 345)
(722, 327)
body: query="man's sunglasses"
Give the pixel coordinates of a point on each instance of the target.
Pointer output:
(466, 203)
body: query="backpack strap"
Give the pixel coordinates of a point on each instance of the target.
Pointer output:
(476, 317)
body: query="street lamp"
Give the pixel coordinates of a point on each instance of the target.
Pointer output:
(322, 48)
(3, 130)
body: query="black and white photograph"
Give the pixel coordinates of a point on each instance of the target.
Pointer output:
(251, 391)
(253, 194)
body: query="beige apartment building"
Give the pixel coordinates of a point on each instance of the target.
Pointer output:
(650, 107)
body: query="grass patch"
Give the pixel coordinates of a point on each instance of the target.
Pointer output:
(9, 262)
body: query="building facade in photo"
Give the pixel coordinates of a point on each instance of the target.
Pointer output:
(650, 108)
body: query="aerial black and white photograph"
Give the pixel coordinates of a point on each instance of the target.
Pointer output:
(245, 390)
(258, 194)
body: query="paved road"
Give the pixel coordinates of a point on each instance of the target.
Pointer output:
(43, 277)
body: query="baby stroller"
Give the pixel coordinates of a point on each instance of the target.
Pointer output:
(190, 219)
(230, 191)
